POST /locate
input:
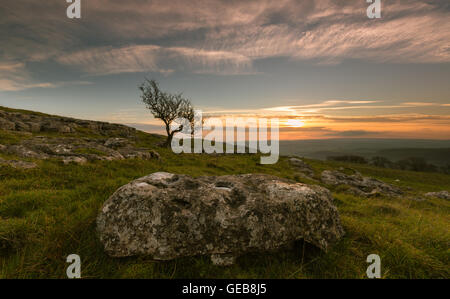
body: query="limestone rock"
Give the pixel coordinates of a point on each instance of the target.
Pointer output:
(155, 155)
(116, 142)
(301, 166)
(18, 164)
(168, 216)
(440, 194)
(23, 151)
(76, 150)
(17, 121)
(65, 129)
(359, 185)
(74, 159)
(35, 127)
(6, 124)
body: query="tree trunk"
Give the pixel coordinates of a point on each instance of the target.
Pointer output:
(169, 139)
(169, 135)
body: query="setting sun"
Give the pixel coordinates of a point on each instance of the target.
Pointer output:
(296, 123)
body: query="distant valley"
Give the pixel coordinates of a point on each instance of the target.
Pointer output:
(433, 151)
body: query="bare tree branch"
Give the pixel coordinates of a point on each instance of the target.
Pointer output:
(166, 106)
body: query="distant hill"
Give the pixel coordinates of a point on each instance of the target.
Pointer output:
(432, 155)
(434, 151)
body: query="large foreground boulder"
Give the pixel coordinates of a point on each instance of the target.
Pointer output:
(167, 216)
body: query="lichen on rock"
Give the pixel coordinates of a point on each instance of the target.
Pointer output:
(360, 185)
(168, 216)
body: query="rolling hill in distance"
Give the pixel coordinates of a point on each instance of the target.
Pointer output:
(433, 151)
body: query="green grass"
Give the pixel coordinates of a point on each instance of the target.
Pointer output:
(92, 151)
(7, 137)
(49, 212)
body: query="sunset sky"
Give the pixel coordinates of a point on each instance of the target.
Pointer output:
(322, 67)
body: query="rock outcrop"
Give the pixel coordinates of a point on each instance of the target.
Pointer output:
(18, 164)
(109, 141)
(76, 150)
(302, 167)
(35, 122)
(359, 185)
(168, 216)
(440, 194)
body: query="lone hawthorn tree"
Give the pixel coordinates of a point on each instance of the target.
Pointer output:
(167, 107)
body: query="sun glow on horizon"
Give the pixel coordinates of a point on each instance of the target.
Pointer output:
(294, 123)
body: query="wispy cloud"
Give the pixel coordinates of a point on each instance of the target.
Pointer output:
(144, 58)
(422, 104)
(330, 31)
(14, 76)
(392, 118)
(223, 37)
(349, 105)
(354, 133)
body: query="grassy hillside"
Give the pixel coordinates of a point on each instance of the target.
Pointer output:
(49, 212)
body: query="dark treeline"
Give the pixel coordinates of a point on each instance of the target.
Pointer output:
(411, 163)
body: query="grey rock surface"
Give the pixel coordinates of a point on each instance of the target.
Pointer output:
(440, 194)
(6, 124)
(360, 185)
(74, 159)
(25, 122)
(116, 142)
(110, 141)
(301, 166)
(168, 216)
(77, 150)
(18, 164)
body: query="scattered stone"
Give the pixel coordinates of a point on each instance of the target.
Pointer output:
(440, 194)
(169, 216)
(116, 142)
(16, 121)
(34, 127)
(22, 164)
(18, 164)
(65, 129)
(118, 145)
(76, 150)
(155, 155)
(6, 124)
(22, 151)
(74, 159)
(360, 186)
(133, 153)
(223, 259)
(418, 199)
(20, 126)
(302, 167)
